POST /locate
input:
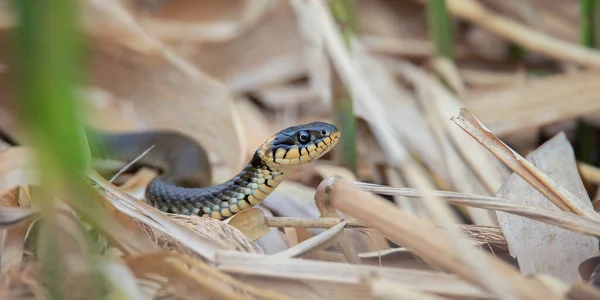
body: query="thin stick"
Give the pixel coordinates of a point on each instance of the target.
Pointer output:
(282, 222)
(130, 164)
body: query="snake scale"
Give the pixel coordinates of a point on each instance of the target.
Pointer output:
(184, 184)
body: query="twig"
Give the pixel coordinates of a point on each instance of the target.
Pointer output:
(282, 222)
(523, 36)
(130, 164)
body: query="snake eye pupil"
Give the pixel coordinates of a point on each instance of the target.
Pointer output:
(303, 137)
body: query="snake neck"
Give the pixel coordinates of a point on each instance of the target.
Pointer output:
(246, 189)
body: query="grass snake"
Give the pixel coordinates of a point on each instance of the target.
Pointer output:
(184, 183)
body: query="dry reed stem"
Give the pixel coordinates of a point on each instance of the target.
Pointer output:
(214, 32)
(589, 172)
(429, 243)
(389, 290)
(397, 155)
(328, 211)
(523, 36)
(153, 218)
(316, 243)
(192, 277)
(562, 219)
(281, 222)
(344, 273)
(556, 193)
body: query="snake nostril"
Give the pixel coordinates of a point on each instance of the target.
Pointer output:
(323, 132)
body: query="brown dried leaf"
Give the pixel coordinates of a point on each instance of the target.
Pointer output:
(204, 21)
(388, 290)
(188, 278)
(562, 219)
(12, 216)
(544, 184)
(14, 225)
(432, 244)
(441, 105)
(293, 288)
(343, 273)
(14, 169)
(527, 239)
(165, 90)
(153, 218)
(221, 233)
(270, 54)
(251, 222)
(437, 103)
(556, 17)
(539, 102)
(526, 37)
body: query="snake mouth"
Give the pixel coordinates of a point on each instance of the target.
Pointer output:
(299, 145)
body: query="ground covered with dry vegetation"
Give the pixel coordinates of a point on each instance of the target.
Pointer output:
(475, 174)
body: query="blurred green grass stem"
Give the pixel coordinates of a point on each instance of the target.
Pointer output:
(344, 12)
(440, 28)
(587, 22)
(587, 141)
(48, 59)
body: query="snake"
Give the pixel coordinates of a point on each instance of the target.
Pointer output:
(184, 183)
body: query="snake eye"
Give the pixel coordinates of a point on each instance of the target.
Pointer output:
(303, 137)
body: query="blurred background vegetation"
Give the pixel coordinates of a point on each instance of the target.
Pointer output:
(389, 74)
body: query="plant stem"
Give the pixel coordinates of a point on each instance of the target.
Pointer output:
(344, 12)
(587, 140)
(587, 22)
(48, 49)
(440, 27)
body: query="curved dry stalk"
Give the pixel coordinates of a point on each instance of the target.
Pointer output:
(433, 245)
(523, 36)
(562, 219)
(315, 243)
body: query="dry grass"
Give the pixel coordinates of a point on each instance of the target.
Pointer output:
(476, 207)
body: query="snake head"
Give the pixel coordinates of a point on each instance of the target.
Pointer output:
(299, 144)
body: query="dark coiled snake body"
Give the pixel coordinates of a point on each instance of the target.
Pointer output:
(184, 185)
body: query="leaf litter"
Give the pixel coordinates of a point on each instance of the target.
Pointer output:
(441, 206)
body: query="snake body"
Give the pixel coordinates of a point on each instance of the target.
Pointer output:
(183, 187)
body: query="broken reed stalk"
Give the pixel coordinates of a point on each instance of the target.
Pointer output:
(283, 222)
(346, 154)
(544, 184)
(527, 38)
(429, 243)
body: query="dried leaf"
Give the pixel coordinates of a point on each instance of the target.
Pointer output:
(555, 192)
(319, 271)
(153, 218)
(530, 39)
(14, 168)
(562, 219)
(527, 239)
(205, 21)
(135, 66)
(12, 216)
(428, 242)
(388, 290)
(189, 277)
(251, 222)
(538, 103)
